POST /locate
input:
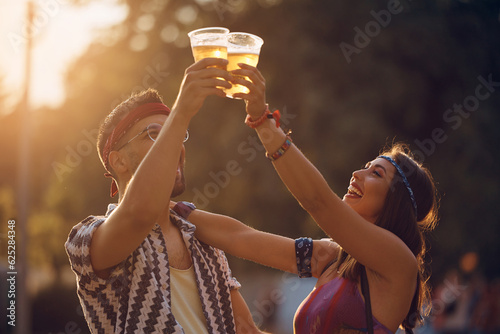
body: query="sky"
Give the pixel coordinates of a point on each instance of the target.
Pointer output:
(61, 32)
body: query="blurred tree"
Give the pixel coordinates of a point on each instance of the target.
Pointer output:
(7, 195)
(408, 70)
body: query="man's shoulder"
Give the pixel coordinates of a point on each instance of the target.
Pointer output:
(85, 228)
(92, 221)
(89, 220)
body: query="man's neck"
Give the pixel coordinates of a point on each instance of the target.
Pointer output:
(163, 220)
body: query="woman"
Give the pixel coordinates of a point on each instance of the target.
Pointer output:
(377, 226)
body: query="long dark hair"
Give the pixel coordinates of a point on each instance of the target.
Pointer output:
(398, 216)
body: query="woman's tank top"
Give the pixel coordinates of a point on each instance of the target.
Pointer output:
(334, 307)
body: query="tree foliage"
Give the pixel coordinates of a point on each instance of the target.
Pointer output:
(350, 76)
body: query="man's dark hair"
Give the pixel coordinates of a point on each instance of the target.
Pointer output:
(121, 111)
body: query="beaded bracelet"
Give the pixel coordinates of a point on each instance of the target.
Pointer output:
(279, 153)
(266, 115)
(303, 252)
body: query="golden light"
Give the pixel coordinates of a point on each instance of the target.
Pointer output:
(61, 32)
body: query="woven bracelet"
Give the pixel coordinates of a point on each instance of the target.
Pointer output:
(279, 153)
(303, 252)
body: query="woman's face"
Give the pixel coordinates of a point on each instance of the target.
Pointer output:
(368, 188)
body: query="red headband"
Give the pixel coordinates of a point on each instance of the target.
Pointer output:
(121, 129)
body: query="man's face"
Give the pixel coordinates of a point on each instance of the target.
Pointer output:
(136, 150)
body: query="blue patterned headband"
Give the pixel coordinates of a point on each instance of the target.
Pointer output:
(405, 180)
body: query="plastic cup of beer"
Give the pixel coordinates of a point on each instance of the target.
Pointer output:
(209, 42)
(242, 48)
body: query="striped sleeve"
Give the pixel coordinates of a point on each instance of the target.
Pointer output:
(78, 250)
(232, 282)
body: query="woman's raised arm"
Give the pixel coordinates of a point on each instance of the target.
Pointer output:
(373, 246)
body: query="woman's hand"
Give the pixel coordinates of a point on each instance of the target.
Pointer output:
(256, 99)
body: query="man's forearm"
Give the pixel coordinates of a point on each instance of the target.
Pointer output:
(149, 189)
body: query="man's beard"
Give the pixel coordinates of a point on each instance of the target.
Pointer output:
(179, 186)
(179, 183)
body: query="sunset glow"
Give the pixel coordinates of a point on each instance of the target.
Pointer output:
(61, 32)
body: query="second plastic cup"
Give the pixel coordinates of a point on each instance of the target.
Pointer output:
(242, 48)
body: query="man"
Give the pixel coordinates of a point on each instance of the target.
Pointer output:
(139, 268)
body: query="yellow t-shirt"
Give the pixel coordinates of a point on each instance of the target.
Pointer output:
(186, 303)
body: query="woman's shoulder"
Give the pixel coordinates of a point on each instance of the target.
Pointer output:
(325, 254)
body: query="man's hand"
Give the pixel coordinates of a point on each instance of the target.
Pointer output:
(201, 79)
(242, 316)
(256, 99)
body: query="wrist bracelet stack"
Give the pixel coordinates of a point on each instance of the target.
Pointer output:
(259, 121)
(303, 252)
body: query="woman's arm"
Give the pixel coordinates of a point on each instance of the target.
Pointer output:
(375, 247)
(238, 239)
